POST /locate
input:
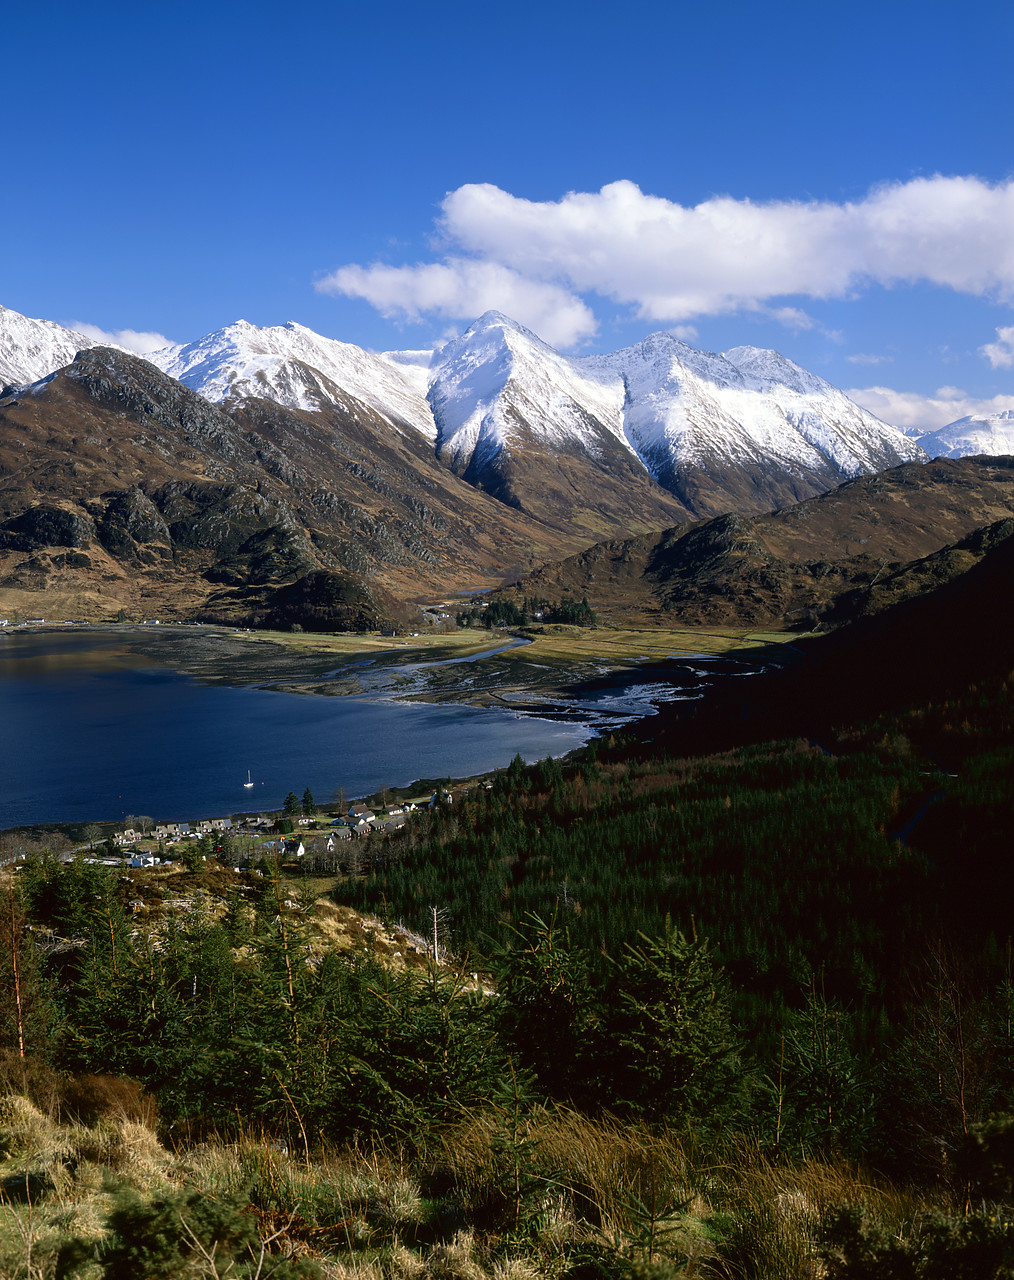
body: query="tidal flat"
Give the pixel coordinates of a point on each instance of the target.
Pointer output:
(470, 667)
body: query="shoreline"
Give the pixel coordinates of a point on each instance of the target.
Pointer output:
(478, 669)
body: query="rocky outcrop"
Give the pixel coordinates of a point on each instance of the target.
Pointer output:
(43, 526)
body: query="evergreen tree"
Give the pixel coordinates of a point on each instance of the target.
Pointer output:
(27, 1012)
(544, 1004)
(666, 1046)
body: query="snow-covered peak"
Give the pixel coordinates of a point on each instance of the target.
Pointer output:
(244, 360)
(667, 402)
(496, 320)
(31, 349)
(973, 435)
(662, 360)
(764, 369)
(499, 382)
(685, 406)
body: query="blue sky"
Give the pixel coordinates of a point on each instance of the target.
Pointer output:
(831, 179)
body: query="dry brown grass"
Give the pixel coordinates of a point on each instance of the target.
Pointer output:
(341, 928)
(615, 1190)
(580, 1179)
(55, 1180)
(775, 1214)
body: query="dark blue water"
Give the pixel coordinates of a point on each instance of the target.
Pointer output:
(90, 732)
(92, 728)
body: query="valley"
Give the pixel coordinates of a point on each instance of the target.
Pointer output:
(476, 667)
(737, 874)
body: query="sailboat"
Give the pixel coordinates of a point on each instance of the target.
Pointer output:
(249, 780)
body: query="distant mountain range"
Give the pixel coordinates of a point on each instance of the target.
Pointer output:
(747, 430)
(976, 434)
(253, 458)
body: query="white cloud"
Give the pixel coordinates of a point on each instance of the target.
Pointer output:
(685, 332)
(673, 263)
(793, 318)
(464, 288)
(864, 357)
(908, 409)
(131, 339)
(1000, 354)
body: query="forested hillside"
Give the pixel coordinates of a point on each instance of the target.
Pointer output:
(684, 988)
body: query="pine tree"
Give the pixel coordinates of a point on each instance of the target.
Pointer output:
(27, 1013)
(667, 1048)
(545, 1002)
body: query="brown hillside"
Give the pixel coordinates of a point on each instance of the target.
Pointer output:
(120, 488)
(842, 554)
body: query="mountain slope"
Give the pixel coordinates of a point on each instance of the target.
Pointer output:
(744, 431)
(521, 422)
(118, 485)
(831, 558)
(950, 643)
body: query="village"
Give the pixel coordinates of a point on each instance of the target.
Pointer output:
(317, 842)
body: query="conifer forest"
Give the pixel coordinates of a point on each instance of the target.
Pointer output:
(748, 1014)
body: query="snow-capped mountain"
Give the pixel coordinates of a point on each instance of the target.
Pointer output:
(973, 435)
(499, 385)
(280, 364)
(524, 423)
(712, 429)
(31, 349)
(690, 410)
(746, 431)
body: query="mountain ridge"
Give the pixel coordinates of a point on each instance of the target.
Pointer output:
(122, 488)
(744, 431)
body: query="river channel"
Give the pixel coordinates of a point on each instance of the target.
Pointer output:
(101, 722)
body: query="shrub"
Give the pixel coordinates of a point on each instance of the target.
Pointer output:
(188, 1234)
(937, 1246)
